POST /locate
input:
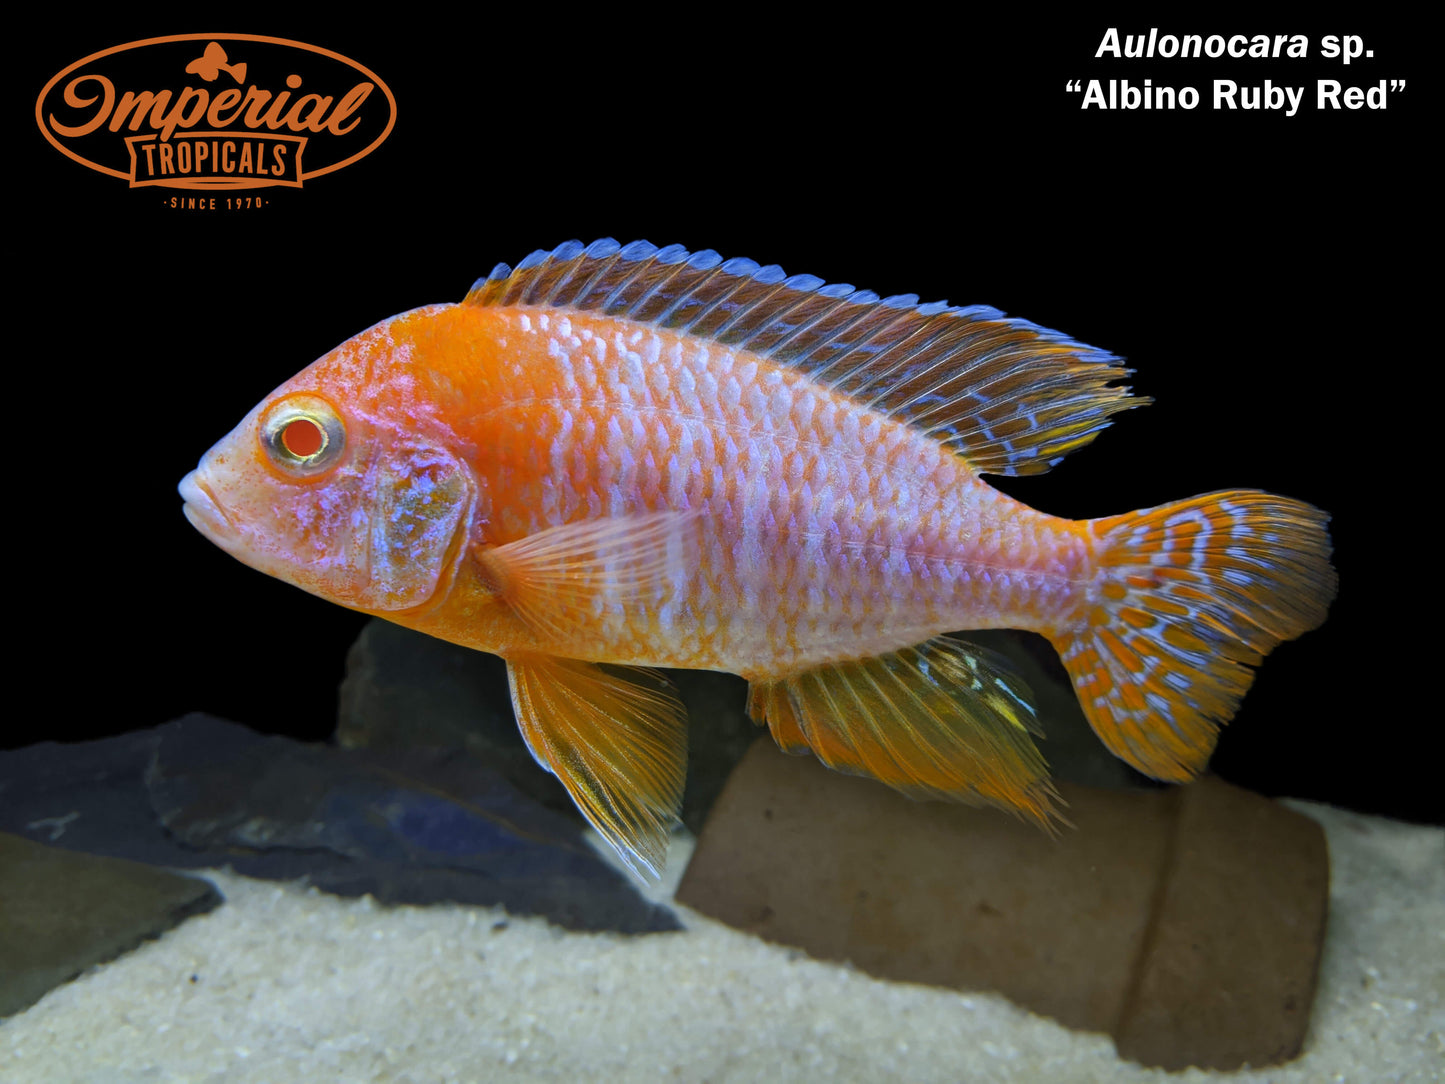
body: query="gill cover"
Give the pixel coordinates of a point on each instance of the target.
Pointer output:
(421, 498)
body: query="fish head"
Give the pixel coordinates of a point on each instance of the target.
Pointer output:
(345, 481)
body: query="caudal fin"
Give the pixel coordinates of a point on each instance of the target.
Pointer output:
(1191, 596)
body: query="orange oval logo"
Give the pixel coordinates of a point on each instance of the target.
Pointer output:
(216, 111)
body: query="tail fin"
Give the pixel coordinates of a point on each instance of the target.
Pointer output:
(1190, 596)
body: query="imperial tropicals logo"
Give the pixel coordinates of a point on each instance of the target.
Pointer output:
(215, 111)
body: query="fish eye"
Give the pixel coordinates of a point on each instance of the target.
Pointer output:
(303, 435)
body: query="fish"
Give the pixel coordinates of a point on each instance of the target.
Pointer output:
(613, 458)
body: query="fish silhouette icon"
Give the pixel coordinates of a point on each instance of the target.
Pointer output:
(213, 62)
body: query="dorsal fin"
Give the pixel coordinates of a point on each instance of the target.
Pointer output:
(1008, 395)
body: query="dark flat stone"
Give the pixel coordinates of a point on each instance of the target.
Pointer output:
(91, 797)
(406, 690)
(419, 826)
(62, 912)
(1186, 922)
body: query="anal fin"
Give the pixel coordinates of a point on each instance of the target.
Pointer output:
(618, 744)
(942, 719)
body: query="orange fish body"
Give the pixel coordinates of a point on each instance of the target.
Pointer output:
(641, 456)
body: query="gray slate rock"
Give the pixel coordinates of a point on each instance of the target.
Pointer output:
(406, 690)
(62, 912)
(418, 827)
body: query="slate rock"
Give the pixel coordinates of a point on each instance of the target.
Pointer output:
(406, 690)
(1187, 922)
(91, 797)
(418, 827)
(62, 912)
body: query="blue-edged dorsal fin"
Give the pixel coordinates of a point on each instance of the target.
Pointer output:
(1009, 396)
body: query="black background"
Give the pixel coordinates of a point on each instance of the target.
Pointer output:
(1256, 270)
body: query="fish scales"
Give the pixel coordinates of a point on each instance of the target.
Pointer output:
(651, 457)
(824, 532)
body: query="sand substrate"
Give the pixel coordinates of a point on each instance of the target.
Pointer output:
(286, 984)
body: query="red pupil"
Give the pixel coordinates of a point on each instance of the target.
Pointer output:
(302, 437)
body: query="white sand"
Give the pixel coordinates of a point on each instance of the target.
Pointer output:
(293, 985)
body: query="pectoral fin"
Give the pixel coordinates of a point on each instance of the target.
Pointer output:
(618, 744)
(557, 575)
(939, 720)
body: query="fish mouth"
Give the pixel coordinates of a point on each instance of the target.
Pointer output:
(203, 510)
